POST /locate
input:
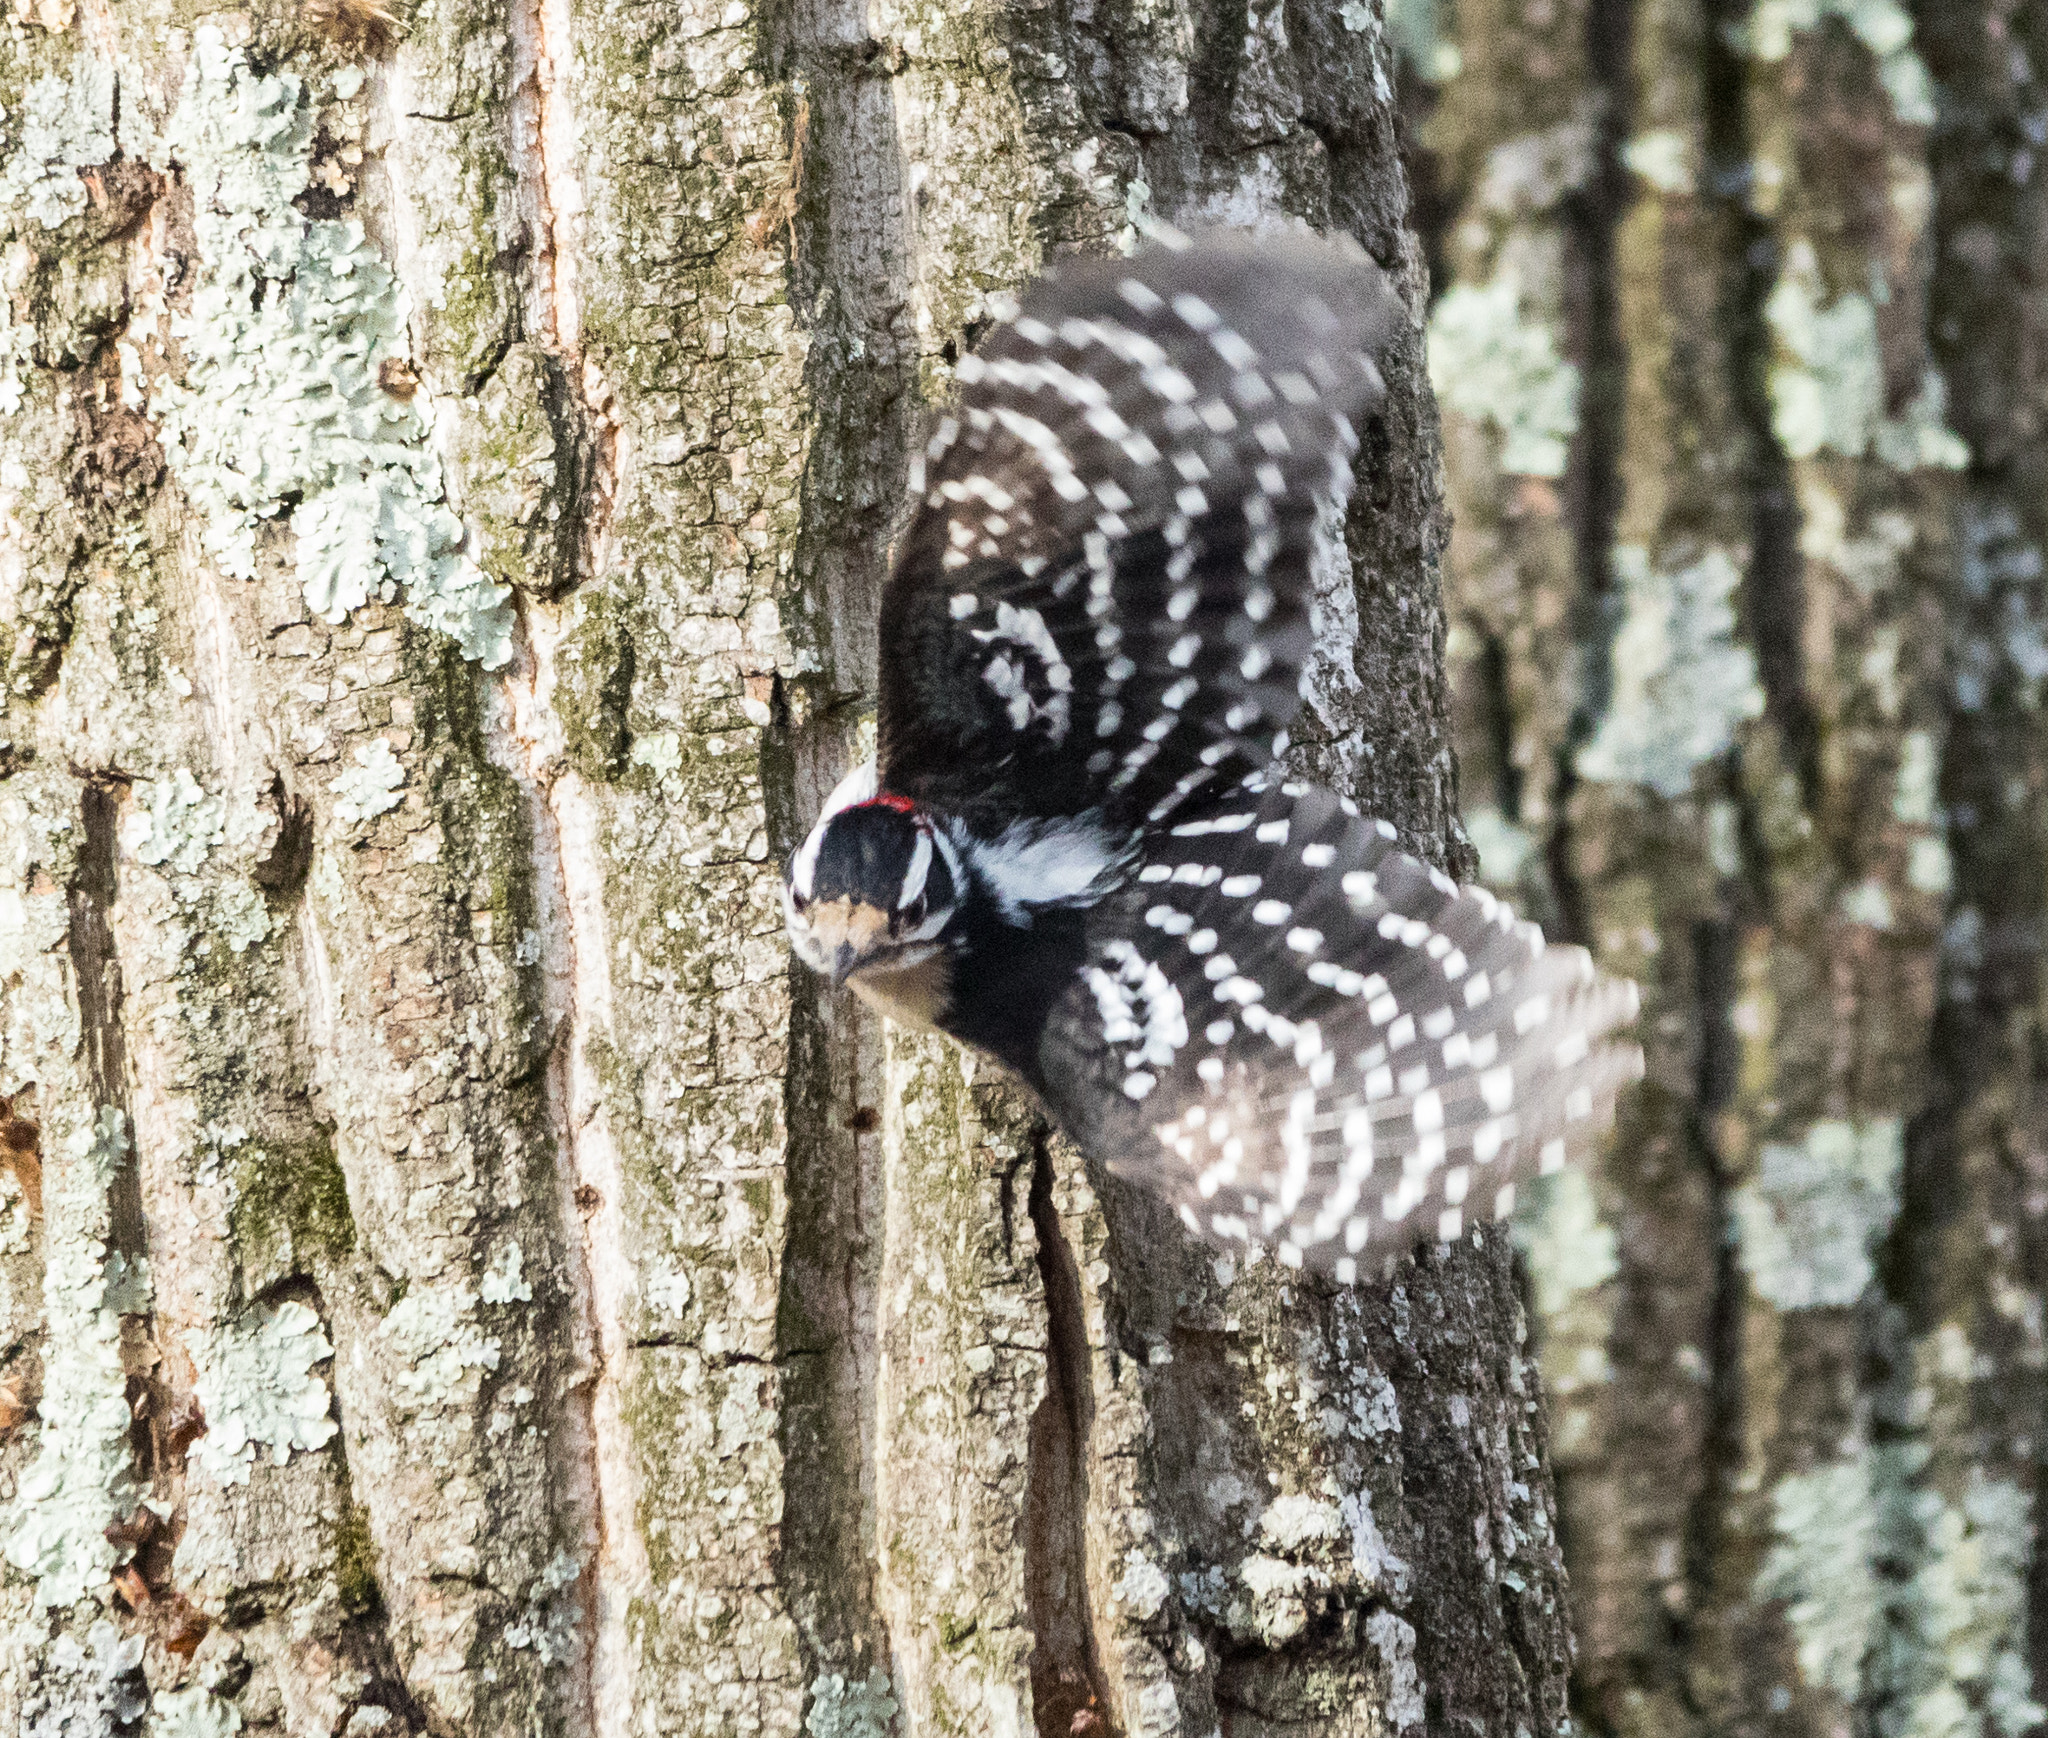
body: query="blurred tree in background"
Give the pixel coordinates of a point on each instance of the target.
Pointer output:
(1737, 331)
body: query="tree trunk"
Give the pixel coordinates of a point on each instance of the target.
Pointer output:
(453, 1276)
(1747, 603)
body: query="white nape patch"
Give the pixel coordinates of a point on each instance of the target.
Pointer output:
(858, 786)
(1035, 864)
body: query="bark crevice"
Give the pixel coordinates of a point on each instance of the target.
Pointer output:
(1069, 1689)
(1774, 578)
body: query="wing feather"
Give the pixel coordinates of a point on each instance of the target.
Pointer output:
(1102, 600)
(1307, 1039)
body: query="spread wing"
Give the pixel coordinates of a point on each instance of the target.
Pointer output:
(1305, 1039)
(1103, 598)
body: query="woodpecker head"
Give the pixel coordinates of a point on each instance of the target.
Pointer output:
(873, 888)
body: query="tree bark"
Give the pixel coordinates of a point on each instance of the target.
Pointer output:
(1751, 685)
(454, 1277)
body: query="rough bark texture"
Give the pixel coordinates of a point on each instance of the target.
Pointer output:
(1738, 334)
(452, 1277)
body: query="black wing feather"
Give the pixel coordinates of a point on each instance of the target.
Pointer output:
(1102, 601)
(1305, 1039)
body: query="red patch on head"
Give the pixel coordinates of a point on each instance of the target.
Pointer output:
(889, 800)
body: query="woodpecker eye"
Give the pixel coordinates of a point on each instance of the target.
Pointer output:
(913, 913)
(797, 902)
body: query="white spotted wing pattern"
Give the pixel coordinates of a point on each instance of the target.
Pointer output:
(1102, 601)
(1307, 1040)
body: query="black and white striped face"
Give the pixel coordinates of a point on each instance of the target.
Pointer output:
(871, 890)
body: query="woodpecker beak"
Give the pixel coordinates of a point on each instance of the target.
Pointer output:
(846, 933)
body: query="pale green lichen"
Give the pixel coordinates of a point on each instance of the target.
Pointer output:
(1971, 1617)
(258, 1391)
(1826, 1524)
(92, 1690)
(843, 1707)
(502, 1282)
(1681, 682)
(1568, 1248)
(67, 124)
(1905, 1600)
(1490, 362)
(1292, 1523)
(370, 787)
(1142, 1588)
(1929, 867)
(216, 1141)
(1724, 837)
(1913, 797)
(175, 823)
(81, 1480)
(550, 1624)
(1533, 172)
(1868, 903)
(665, 1288)
(445, 1352)
(659, 750)
(14, 1215)
(290, 324)
(1504, 848)
(1870, 560)
(241, 917)
(1883, 26)
(1811, 1217)
(1415, 27)
(1828, 392)
(2000, 561)
(1394, 1638)
(194, 1713)
(1373, 1561)
(1662, 159)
